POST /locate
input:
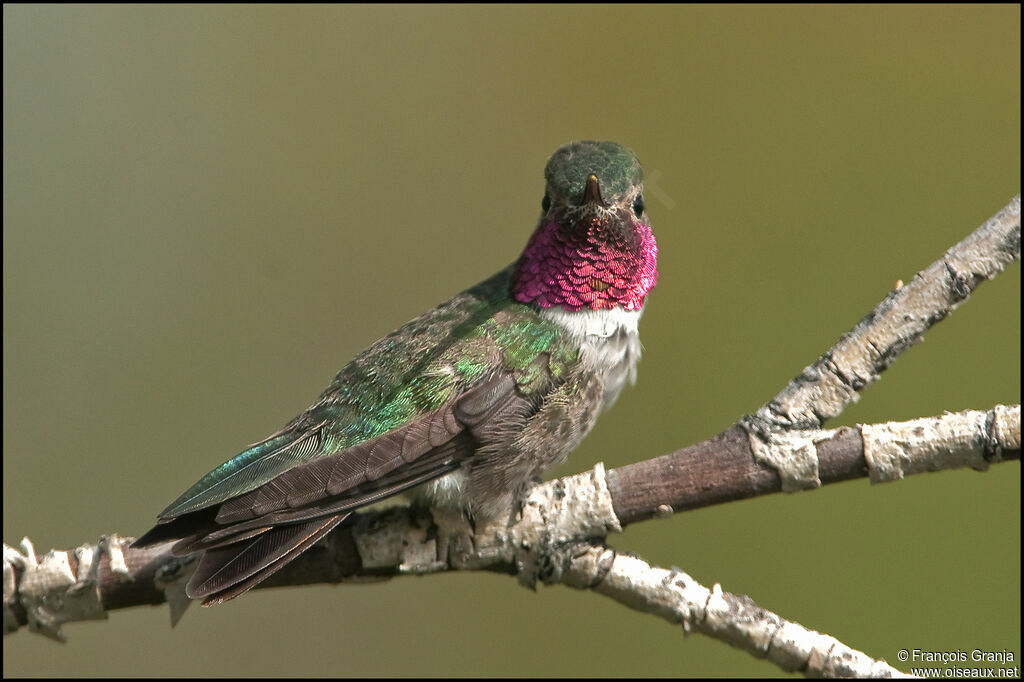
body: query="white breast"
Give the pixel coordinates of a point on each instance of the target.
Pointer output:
(608, 341)
(594, 323)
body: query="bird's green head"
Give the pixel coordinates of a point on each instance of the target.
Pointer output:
(616, 169)
(593, 247)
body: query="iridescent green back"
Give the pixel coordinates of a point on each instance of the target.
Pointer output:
(415, 369)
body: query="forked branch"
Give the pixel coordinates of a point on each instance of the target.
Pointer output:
(558, 536)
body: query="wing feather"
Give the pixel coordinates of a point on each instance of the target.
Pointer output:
(261, 461)
(248, 537)
(383, 462)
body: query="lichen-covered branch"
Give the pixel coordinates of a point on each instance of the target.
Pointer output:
(731, 618)
(87, 582)
(549, 543)
(823, 390)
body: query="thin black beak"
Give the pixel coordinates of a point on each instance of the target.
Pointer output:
(592, 192)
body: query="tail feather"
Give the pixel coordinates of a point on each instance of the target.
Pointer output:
(187, 525)
(228, 571)
(198, 543)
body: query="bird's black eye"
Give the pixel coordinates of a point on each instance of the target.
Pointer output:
(545, 203)
(638, 205)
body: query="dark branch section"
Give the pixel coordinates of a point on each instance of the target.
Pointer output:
(842, 458)
(118, 592)
(720, 469)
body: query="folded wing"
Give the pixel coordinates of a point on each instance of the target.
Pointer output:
(251, 535)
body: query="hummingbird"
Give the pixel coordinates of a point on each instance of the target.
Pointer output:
(466, 404)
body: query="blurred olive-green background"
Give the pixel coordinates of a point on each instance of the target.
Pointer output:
(209, 210)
